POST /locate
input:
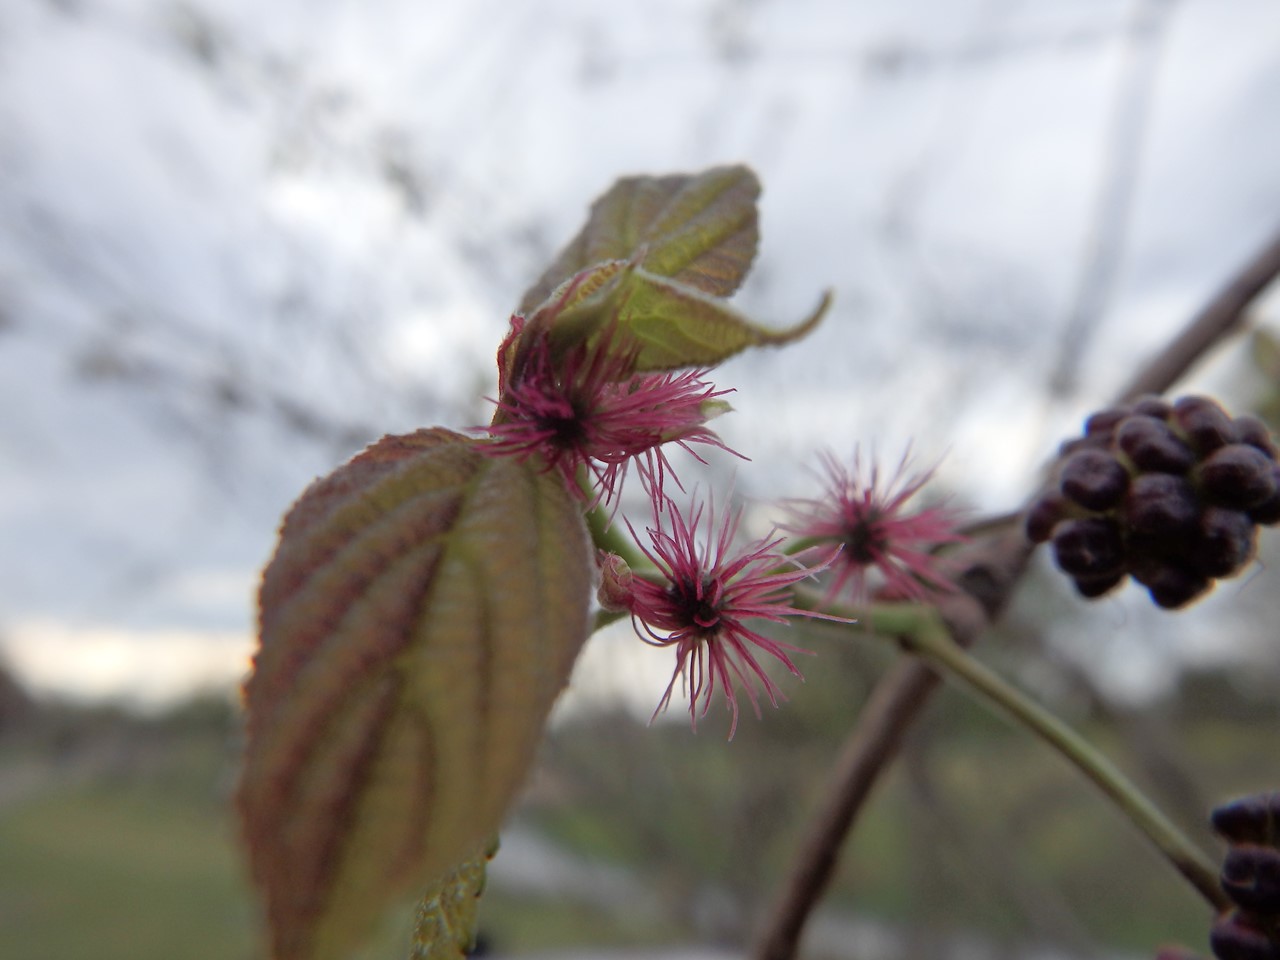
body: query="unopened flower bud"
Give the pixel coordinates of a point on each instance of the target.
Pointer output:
(1205, 423)
(1168, 493)
(1251, 878)
(1044, 516)
(1104, 422)
(1096, 586)
(1238, 475)
(615, 582)
(1268, 511)
(1254, 432)
(1094, 479)
(1226, 543)
(1151, 405)
(1090, 547)
(1236, 937)
(1152, 445)
(1251, 819)
(1171, 586)
(1161, 505)
(1096, 441)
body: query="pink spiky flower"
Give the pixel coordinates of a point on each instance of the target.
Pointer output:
(877, 530)
(587, 409)
(701, 605)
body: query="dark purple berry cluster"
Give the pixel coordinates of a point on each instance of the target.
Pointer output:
(1251, 878)
(1168, 493)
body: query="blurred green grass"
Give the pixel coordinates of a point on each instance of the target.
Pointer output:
(116, 838)
(117, 871)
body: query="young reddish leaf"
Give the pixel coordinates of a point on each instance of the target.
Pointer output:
(700, 229)
(421, 613)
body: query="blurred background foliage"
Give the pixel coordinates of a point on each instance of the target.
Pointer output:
(116, 839)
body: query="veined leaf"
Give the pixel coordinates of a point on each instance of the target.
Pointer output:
(444, 926)
(421, 613)
(674, 326)
(647, 274)
(661, 324)
(700, 229)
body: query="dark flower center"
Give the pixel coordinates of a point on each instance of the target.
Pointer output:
(699, 611)
(864, 541)
(567, 423)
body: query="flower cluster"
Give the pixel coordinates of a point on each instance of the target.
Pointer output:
(700, 600)
(1251, 878)
(580, 409)
(878, 530)
(586, 409)
(1168, 493)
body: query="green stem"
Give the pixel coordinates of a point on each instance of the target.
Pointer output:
(605, 617)
(800, 544)
(932, 642)
(606, 537)
(921, 631)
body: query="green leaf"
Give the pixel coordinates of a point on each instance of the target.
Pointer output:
(420, 615)
(700, 229)
(444, 926)
(664, 325)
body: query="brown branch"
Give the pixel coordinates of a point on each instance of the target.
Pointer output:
(992, 568)
(875, 740)
(894, 704)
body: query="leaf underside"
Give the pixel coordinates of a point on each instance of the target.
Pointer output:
(421, 613)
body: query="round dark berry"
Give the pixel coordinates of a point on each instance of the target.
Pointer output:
(1088, 547)
(1251, 819)
(1251, 878)
(1268, 511)
(1255, 433)
(1152, 445)
(1149, 405)
(1226, 542)
(1097, 441)
(1236, 937)
(1238, 475)
(1093, 587)
(1161, 505)
(1044, 516)
(1171, 586)
(1104, 422)
(1205, 424)
(1094, 479)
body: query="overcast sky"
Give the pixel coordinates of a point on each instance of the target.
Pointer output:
(238, 240)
